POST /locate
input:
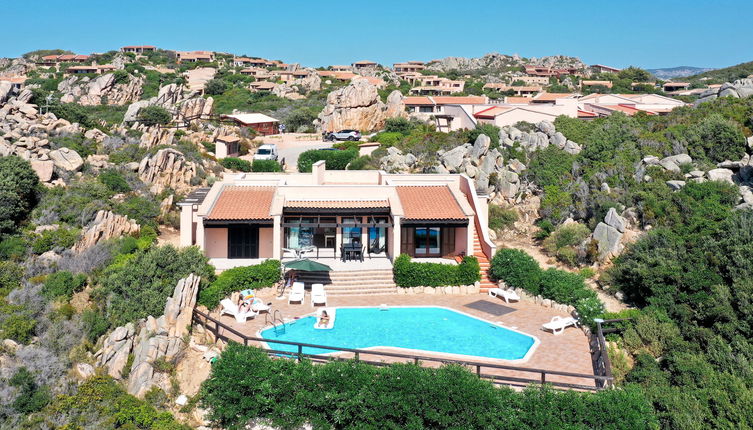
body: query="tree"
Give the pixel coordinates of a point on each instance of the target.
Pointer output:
(154, 115)
(517, 269)
(215, 87)
(18, 184)
(716, 139)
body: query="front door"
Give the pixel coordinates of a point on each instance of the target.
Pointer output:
(243, 241)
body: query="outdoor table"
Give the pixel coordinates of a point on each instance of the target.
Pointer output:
(352, 251)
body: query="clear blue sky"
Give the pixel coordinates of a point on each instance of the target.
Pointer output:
(318, 33)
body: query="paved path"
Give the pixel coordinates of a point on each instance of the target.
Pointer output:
(291, 145)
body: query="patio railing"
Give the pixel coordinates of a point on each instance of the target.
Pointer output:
(537, 376)
(600, 352)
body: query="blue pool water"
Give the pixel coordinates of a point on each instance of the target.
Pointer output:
(421, 328)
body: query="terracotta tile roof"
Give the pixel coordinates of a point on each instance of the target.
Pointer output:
(429, 203)
(518, 100)
(241, 203)
(444, 100)
(492, 112)
(337, 204)
(228, 139)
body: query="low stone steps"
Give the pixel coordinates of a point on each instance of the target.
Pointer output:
(356, 282)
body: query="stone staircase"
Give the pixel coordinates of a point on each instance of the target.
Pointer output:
(483, 261)
(355, 282)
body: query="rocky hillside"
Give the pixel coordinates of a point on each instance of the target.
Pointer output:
(498, 63)
(676, 72)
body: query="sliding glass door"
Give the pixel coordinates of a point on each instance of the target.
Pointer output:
(427, 241)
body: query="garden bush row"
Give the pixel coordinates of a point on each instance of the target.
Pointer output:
(411, 274)
(245, 384)
(336, 160)
(520, 270)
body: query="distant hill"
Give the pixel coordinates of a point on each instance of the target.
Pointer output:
(727, 74)
(674, 72)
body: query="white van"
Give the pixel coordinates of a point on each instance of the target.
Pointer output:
(268, 151)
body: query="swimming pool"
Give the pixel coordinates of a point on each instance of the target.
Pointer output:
(431, 329)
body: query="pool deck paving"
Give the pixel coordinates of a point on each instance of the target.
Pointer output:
(567, 352)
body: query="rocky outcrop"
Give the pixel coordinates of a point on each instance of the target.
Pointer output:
(66, 159)
(100, 90)
(106, 225)
(741, 88)
(157, 339)
(167, 168)
(357, 106)
(544, 135)
(608, 235)
(312, 82)
(185, 107)
(287, 92)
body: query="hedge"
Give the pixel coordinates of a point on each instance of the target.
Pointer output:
(411, 274)
(266, 166)
(336, 160)
(261, 275)
(234, 163)
(246, 385)
(520, 270)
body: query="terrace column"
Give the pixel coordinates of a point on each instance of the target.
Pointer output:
(365, 234)
(469, 238)
(186, 225)
(338, 235)
(200, 234)
(277, 237)
(396, 231)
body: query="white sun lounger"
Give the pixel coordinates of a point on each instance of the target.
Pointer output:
(230, 308)
(318, 295)
(558, 324)
(507, 295)
(331, 312)
(297, 293)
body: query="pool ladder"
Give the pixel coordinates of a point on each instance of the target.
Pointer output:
(274, 318)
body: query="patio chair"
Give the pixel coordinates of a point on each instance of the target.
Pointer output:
(230, 308)
(507, 295)
(297, 293)
(318, 295)
(558, 324)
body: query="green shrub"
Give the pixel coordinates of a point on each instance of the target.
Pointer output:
(114, 181)
(347, 144)
(234, 163)
(517, 269)
(18, 325)
(389, 138)
(77, 142)
(546, 228)
(215, 87)
(142, 209)
(361, 163)
(562, 243)
(336, 160)
(351, 394)
(31, 397)
(12, 248)
(490, 130)
(63, 284)
(61, 238)
(398, 125)
(263, 275)
(501, 218)
(154, 115)
(266, 166)
(101, 402)
(140, 287)
(411, 274)
(18, 183)
(563, 287)
(11, 275)
(95, 324)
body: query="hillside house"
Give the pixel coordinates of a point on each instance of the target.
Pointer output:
(254, 216)
(194, 56)
(140, 49)
(600, 68)
(364, 64)
(260, 123)
(409, 67)
(95, 69)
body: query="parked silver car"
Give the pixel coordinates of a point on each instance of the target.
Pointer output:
(352, 135)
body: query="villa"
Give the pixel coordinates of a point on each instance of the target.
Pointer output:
(194, 56)
(138, 49)
(249, 217)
